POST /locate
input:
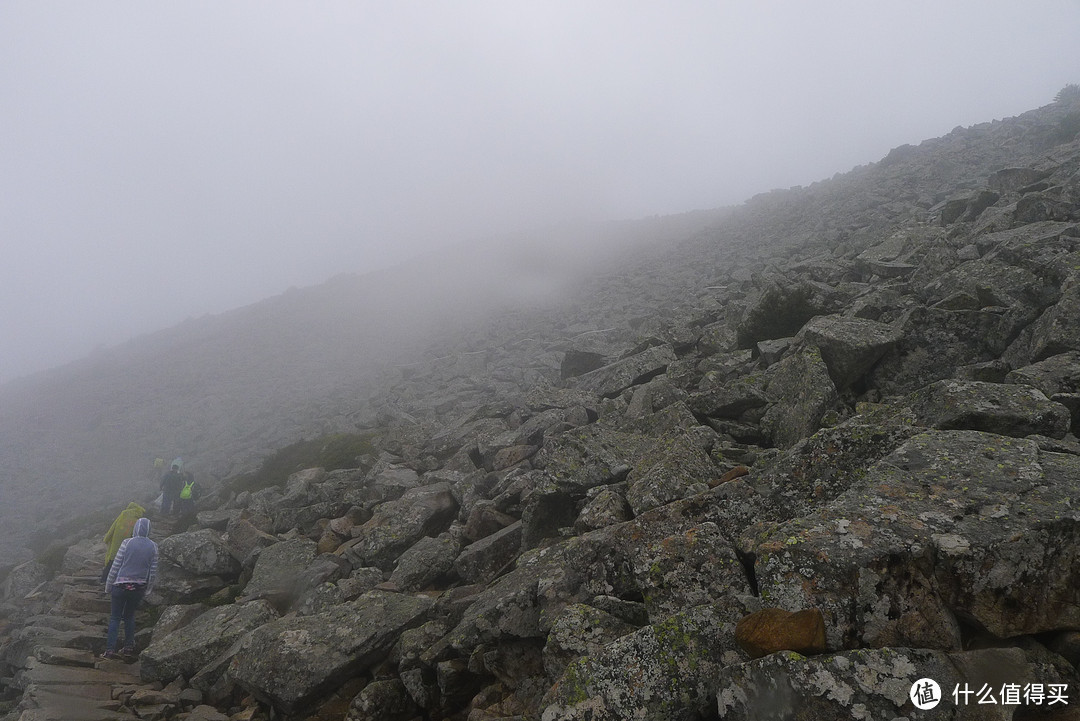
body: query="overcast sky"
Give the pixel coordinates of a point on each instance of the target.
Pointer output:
(160, 161)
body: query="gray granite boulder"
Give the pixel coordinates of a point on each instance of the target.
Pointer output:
(611, 380)
(881, 683)
(1056, 374)
(934, 343)
(671, 670)
(201, 553)
(397, 525)
(292, 662)
(279, 572)
(800, 391)
(424, 562)
(187, 649)
(950, 524)
(849, 346)
(482, 560)
(1010, 410)
(580, 630)
(678, 467)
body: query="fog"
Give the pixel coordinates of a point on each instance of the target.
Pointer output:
(160, 162)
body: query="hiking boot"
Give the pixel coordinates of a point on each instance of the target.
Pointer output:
(128, 651)
(112, 655)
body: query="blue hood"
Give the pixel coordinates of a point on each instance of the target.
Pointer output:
(142, 528)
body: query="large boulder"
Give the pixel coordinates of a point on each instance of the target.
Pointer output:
(1010, 410)
(425, 562)
(1056, 374)
(781, 310)
(189, 648)
(279, 573)
(669, 670)
(800, 390)
(951, 524)
(849, 346)
(677, 468)
(201, 553)
(482, 560)
(881, 684)
(611, 380)
(690, 568)
(293, 661)
(397, 525)
(580, 630)
(935, 342)
(1058, 329)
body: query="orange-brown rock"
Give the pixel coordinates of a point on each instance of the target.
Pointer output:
(774, 629)
(736, 472)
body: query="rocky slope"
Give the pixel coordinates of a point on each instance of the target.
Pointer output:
(803, 460)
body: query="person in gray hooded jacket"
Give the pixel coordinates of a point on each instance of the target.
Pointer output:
(131, 577)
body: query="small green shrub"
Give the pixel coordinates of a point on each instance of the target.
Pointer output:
(331, 452)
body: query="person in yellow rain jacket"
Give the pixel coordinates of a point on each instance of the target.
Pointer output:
(119, 530)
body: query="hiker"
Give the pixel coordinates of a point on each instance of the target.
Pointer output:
(131, 577)
(189, 493)
(120, 530)
(171, 485)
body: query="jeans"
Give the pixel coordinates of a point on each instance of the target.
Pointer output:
(124, 604)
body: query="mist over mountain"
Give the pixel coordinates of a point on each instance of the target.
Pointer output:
(223, 391)
(826, 438)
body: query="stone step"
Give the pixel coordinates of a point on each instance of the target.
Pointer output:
(57, 705)
(105, 673)
(85, 600)
(59, 656)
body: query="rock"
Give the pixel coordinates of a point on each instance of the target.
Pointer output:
(1056, 374)
(730, 475)
(691, 568)
(244, 539)
(424, 562)
(1058, 329)
(547, 510)
(201, 553)
(383, 701)
(1010, 180)
(605, 508)
(667, 671)
(396, 525)
(849, 346)
(730, 399)
(385, 483)
(176, 617)
(484, 519)
(675, 470)
(933, 344)
(781, 311)
(23, 579)
(774, 629)
(950, 524)
(611, 380)
(580, 630)
(1010, 410)
(292, 662)
(217, 520)
(875, 684)
(186, 650)
(206, 713)
(279, 573)
(800, 391)
(481, 561)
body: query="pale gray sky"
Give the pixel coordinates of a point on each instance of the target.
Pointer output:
(165, 160)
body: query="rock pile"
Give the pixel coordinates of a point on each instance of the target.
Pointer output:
(884, 372)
